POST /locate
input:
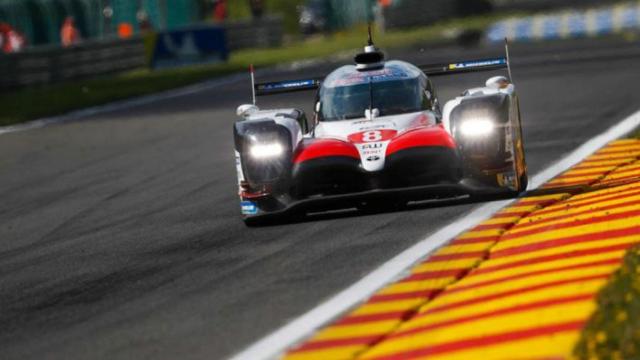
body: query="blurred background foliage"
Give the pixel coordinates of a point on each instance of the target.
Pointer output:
(40, 20)
(239, 9)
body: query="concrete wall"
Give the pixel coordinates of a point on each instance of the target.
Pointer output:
(51, 64)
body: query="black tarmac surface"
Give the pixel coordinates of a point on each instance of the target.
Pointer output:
(120, 235)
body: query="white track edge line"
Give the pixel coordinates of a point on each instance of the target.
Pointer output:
(274, 344)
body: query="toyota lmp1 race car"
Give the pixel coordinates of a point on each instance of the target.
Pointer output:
(378, 137)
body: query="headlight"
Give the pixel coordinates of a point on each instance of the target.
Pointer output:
(263, 151)
(476, 127)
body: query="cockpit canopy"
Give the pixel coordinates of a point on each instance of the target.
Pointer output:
(398, 88)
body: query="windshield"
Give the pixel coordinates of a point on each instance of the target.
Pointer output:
(390, 97)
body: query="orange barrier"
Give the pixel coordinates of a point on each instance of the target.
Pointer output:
(520, 285)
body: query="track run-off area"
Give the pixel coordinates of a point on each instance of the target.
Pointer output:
(121, 237)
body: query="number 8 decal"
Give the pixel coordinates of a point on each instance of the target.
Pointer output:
(371, 136)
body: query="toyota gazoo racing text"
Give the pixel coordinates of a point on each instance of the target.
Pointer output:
(380, 136)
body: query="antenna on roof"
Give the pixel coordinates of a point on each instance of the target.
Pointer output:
(506, 50)
(371, 58)
(370, 96)
(253, 83)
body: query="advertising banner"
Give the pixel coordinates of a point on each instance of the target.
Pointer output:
(184, 47)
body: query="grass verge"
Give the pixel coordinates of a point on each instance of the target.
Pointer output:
(36, 102)
(613, 332)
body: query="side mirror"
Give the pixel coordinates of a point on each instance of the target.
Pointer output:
(497, 82)
(246, 110)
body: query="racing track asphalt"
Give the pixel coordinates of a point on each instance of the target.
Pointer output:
(120, 236)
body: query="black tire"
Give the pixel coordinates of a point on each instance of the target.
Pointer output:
(254, 222)
(524, 182)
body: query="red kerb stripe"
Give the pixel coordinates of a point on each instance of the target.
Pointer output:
(422, 294)
(543, 245)
(614, 261)
(430, 275)
(590, 200)
(569, 225)
(543, 259)
(476, 240)
(456, 256)
(484, 341)
(505, 294)
(494, 313)
(325, 344)
(360, 319)
(524, 225)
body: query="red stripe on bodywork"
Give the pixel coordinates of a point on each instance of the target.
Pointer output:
(319, 148)
(434, 136)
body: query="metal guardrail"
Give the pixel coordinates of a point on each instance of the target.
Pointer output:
(52, 64)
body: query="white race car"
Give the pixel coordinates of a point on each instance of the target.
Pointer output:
(379, 136)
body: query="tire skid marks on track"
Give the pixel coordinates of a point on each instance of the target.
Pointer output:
(526, 278)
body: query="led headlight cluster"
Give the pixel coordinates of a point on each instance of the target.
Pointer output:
(477, 127)
(266, 151)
